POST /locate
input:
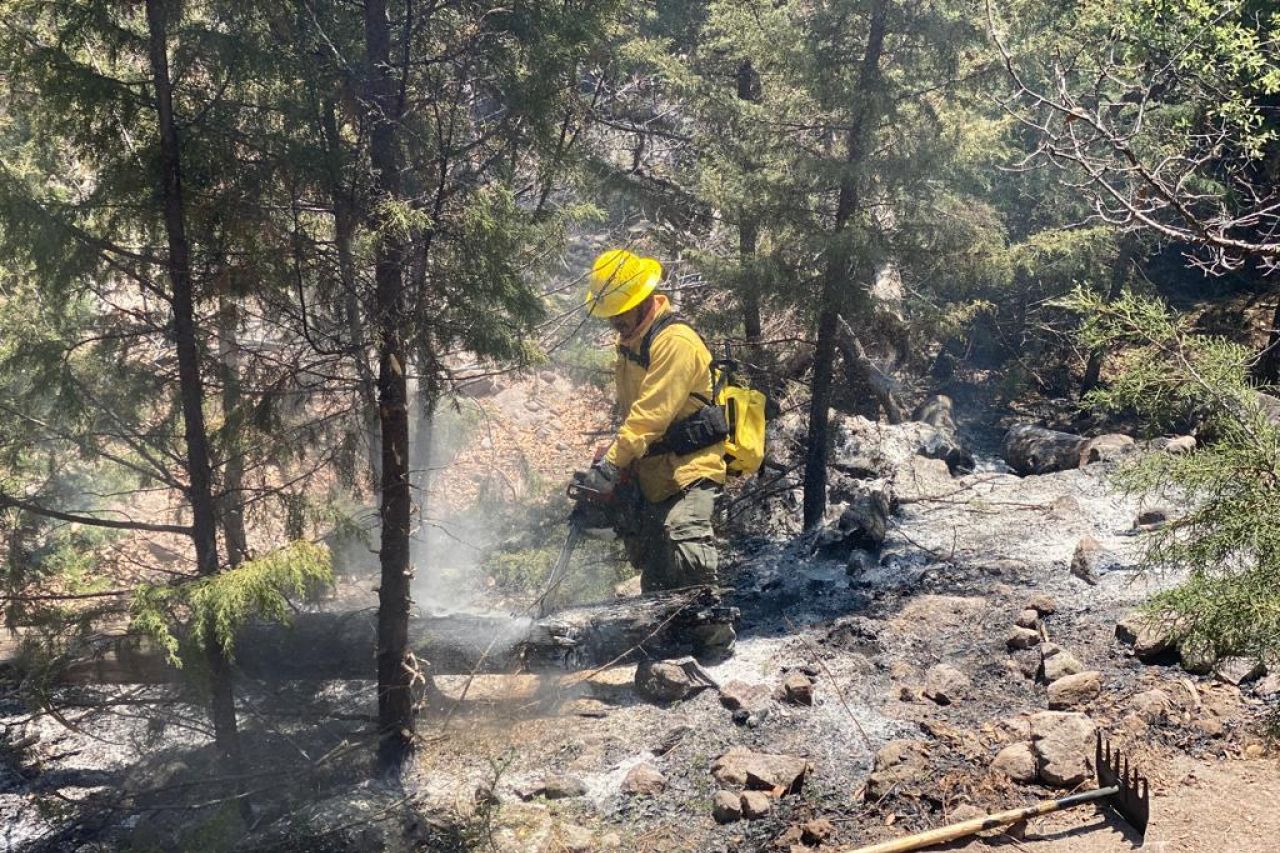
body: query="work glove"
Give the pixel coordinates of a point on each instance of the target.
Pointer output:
(602, 478)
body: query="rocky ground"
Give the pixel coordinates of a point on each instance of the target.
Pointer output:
(947, 645)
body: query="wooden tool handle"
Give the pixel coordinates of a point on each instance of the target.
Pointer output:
(978, 824)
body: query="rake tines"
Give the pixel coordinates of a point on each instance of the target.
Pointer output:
(1131, 797)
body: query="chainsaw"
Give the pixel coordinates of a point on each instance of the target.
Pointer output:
(592, 510)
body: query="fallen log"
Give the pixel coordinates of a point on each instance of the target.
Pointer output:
(1031, 449)
(328, 645)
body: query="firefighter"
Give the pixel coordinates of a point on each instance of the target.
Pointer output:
(668, 451)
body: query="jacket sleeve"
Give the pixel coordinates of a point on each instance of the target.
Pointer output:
(674, 369)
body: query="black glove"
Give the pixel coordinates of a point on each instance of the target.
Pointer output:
(602, 478)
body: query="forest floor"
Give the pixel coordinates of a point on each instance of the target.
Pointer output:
(546, 761)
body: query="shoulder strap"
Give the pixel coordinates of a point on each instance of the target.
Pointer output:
(644, 357)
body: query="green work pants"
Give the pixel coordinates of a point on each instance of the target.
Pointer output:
(672, 544)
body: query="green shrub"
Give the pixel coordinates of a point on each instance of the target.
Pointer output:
(1228, 542)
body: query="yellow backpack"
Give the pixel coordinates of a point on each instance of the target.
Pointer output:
(744, 410)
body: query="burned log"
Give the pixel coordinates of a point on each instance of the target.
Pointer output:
(328, 645)
(1031, 449)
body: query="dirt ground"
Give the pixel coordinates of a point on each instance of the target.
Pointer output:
(1213, 807)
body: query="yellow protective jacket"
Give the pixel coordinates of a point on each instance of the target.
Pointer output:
(651, 400)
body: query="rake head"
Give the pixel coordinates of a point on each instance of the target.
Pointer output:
(1132, 800)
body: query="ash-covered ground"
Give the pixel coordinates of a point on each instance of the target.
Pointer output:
(918, 678)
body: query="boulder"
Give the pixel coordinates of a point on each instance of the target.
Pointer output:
(669, 681)
(1151, 705)
(1178, 444)
(1030, 449)
(797, 689)
(945, 684)
(1043, 604)
(1071, 691)
(1268, 687)
(1149, 519)
(1106, 448)
(1238, 670)
(740, 695)
(945, 444)
(562, 787)
(1091, 559)
(1063, 743)
(1017, 761)
(742, 768)
(1148, 637)
(1022, 638)
(921, 478)
(726, 807)
(644, 779)
(898, 764)
(1056, 662)
(816, 832)
(1027, 619)
(755, 804)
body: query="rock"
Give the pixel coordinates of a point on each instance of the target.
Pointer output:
(1071, 691)
(1065, 508)
(562, 787)
(1042, 604)
(1210, 726)
(1268, 687)
(1026, 663)
(755, 804)
(1177, 444)
(644, 779)
(668, 681)
(726, 807)
(1196, 658)
(1106, 448)
(1017, 761)
(1022, 638)
(1091, 560)
(575, 839)
(1027, 619)
(740, 695)
(945, 684)
(1150, 518)
(817, 831)
(1056, 662)
(798, 689)
(1238, 670)
(742, 768)
(670, 739)
(1151, 705)
(898, 764)
(907, 693)
(1145, 633)
(865, 518)
(861, 562)
(1255, 750)
(922, 478)
(1004, 567)
(1063, 743)
(1031, 449)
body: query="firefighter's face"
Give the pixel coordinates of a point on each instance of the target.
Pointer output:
(628, 321)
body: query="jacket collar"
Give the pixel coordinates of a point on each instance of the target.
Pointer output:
(661, 307)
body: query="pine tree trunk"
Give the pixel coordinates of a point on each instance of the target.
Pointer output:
(838, 273)
(748, 227)
(344, 229)
(231, 503)
(191, 388)
(396, 667)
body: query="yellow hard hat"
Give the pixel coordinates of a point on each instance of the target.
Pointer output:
(620, 281)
